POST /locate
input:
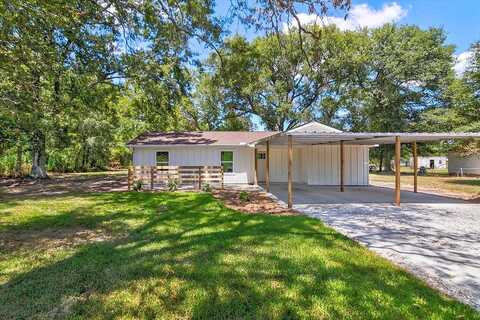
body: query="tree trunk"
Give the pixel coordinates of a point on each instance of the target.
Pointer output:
(19, 160)
(39, 155)
(380, 160)
(388, 159)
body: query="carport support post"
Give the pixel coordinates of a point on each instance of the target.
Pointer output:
(290, 158)
(397, 170)
(255, 177)
(342, 165)
(415, 167)
(267, 167)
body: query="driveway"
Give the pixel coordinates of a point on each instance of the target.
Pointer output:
(436, 238)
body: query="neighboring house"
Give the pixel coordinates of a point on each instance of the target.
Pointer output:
(433, 162)
(235, 151)
(463, 165)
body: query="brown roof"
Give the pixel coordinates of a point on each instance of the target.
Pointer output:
(219, 138)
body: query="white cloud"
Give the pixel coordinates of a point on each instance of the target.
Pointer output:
(359, 16)
(462, 61)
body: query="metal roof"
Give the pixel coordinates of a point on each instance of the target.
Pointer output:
(368, 138)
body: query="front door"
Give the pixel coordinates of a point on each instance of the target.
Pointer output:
(261, 156)
(432, 164)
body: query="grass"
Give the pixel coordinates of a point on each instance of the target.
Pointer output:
(184, 255)
(436, 180)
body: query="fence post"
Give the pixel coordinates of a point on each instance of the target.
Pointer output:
(221, 170)
(199, 178)
(152, 176)
(129, 179)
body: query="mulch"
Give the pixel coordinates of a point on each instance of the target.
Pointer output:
(258, 202)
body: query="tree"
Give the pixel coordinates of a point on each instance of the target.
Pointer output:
(270, 78)
(407, 72)
(46, 45)
(461, 108)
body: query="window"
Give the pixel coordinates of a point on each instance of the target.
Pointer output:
(261, 155)
(162, 158)
(226, 160)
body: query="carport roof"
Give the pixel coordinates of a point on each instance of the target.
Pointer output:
(364, 138)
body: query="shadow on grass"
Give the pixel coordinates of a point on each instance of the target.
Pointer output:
(187, 256)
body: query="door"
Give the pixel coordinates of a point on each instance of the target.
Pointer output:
(261, 162)
(432, 164)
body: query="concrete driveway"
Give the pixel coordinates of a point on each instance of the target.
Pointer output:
(436, 238)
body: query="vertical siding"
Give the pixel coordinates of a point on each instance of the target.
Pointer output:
(324, 165)
(279, 164)
(202, 156)
(315, 165)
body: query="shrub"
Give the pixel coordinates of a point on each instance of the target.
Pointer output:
(207, 188)
(172, 185)
(244, 196)
(137, 185)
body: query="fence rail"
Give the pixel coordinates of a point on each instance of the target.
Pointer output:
(159, 176)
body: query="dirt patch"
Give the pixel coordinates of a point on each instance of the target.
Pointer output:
(256, 202)
(64, 183)
(51, 238)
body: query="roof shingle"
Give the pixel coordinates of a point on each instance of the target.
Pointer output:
(216, 138)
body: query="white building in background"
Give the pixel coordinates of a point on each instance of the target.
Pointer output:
(433, 162)
(460, 165)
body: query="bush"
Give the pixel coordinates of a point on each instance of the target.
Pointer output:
(207, 188)
(172, 185)
(137, 185)
(244, 196)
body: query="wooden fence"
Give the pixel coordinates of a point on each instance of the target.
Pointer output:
(159, 176)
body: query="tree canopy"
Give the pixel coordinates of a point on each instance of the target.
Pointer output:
(78, 79)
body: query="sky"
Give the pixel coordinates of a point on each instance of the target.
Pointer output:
(459, 18)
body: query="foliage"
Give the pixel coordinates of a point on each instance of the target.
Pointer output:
(110, 255)
(206, 188)
(461, 111)
(172, 184)
(137, 185)
(244, 196)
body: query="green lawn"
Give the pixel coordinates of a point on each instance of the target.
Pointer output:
(184, 255)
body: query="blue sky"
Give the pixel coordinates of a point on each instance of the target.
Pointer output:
(460, 19)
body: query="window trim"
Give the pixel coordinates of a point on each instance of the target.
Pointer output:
(233, 161)
(168, 156)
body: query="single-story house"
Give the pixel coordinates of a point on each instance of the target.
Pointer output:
(432, 162)
(463, 164)
(313, 154)
(234, 151)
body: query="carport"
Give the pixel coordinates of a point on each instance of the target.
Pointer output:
(312, 138)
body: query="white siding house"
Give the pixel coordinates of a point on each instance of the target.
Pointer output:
(312, 164)
(463, 165)
(433, 162)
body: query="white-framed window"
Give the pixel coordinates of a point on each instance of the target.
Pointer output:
(226, 160)
(162, 158)
(261, 155)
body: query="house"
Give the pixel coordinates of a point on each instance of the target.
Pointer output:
(433, 162)
(312, 154)
(463, 164)
(234, 151)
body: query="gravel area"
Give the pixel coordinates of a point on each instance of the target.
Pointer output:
(435, 238)
(439, 243)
